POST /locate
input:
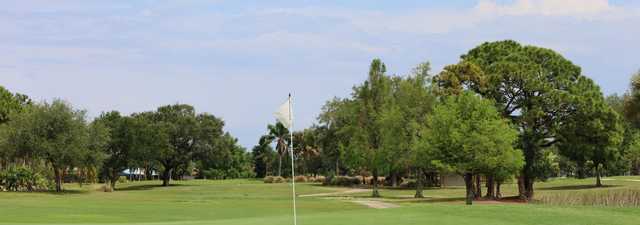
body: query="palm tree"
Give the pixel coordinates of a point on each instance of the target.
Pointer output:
(305, 147)
(280, 134)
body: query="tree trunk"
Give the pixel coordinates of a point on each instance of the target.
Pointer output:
(375, 193)
(598, 182)
(337, 167)
(107, 185)
(114, 179)
(498, 193)
(528, 187)
(528, 172)
(468, 181)
(148, 173)
(490, 188)
(394, 179)
(419, 184)
(113, 184)
(525, 186)
(166, 177)
(279, 165)
(521, 190)
(58, 178)
(580, 174)
(478, 186)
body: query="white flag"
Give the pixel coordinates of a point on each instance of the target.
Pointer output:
(284, 114)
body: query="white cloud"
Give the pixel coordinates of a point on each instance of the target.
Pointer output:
(134, 58)
(578, 8)
(444, 20)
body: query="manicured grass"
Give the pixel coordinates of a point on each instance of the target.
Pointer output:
(252, 202)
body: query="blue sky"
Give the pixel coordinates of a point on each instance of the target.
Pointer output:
(239, 59)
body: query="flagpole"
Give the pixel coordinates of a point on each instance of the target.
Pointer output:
(293, 174)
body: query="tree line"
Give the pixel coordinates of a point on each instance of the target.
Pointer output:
(505, 111)
(43, 143)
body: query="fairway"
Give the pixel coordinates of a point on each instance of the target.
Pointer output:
(252, 202)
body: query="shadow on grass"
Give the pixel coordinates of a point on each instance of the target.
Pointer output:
(415, 200)
(577, 187)
(145, 187)
(64, 192)
(366, 186)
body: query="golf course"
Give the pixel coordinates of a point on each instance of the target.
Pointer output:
(235, 202)
(314, 112)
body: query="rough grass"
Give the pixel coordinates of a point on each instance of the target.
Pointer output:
(617, 192)
(617, 198)
(253, 202)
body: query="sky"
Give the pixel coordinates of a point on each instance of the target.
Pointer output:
(238, 60)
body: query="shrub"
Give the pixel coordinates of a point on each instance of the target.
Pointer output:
(341, 181)
(301, 179)
(122, 179)
(409, 184)
(21, 178)
(273, 179)
(327, 180)
(316, 179)
(213, 174)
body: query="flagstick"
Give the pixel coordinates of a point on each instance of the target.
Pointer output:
(293, 174)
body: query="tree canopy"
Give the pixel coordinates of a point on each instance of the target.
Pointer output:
(531, 86)
(467, 135)
(56, 133)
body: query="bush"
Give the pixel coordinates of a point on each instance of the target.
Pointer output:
(273, 179)
(213, 174)
(122, 179)
(221, 174)
(21, 178)
(301, 179)
(342, 181)
(369, 180)
(409, 184)
(327, 180)
(317, 179)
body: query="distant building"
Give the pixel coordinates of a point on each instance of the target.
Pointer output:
(451, 179)
(138, 174)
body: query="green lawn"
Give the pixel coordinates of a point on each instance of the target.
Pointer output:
(252, 202)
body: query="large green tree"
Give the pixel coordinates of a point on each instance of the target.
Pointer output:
(402, 120)
(307, 151)
(334, 132)
(56, 133)
(225, 160)
(632, 101)
(593, 131)
(181, 134)
(530, 85)
(124, 141)
(632, 154)
(371, 98)
(467, 135)
(263, 156)
(11, 103)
